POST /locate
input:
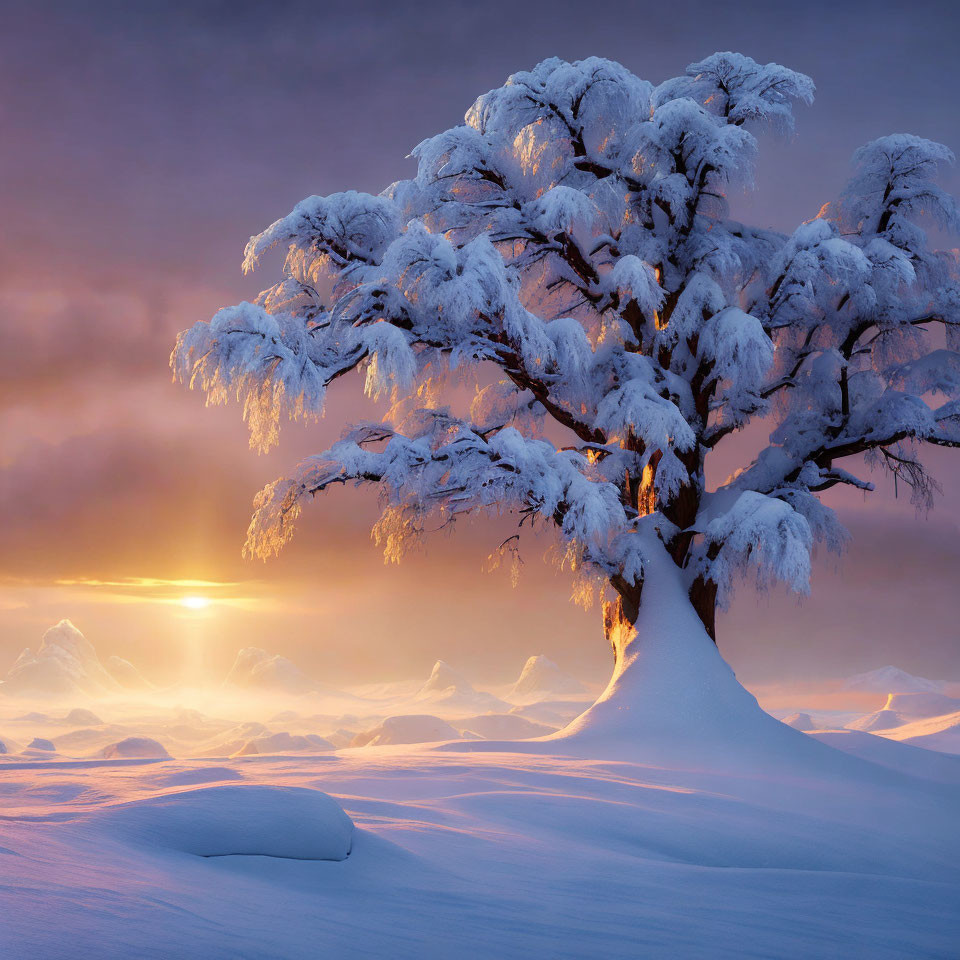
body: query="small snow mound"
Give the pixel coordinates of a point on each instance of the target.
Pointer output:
(415, 728)
(541, 677)
(38, 743)
(800, 721)
(293, 823)
(140, 747)
(504, 726)
(83, 718)
(258, 670)
(892, 680)
(285, 743)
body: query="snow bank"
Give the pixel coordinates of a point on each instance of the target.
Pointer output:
(274, 743)
(919, 705)
(933, 733)
(235, 820)
(414, 728)
(542, 678)
(891, 680)
(144, 747)
(903, 757)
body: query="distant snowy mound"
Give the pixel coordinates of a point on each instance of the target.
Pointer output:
(451, 690)
(878, 720)
(140, 747)
(275, 743)
(65, 663)
(903, 708)
(38, 743)
(126, 674)
(933, 733)
(418, 728)
(82, 718)
(800, 721)
(541, 678)
(891, 680)
(255, 669)
(504, 726)
(918, 705)
(235, 820)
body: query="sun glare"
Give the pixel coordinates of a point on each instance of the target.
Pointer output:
(195, 603)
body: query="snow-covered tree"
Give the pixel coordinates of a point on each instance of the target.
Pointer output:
(570, 245)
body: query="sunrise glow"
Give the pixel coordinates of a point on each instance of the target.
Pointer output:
(195, 603)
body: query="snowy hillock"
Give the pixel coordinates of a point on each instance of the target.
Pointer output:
(542, 679)
(65, 664)
(450, 690)
(800, 721)
(255, 669)
(413, 728)
(275, 743)
(891, 680)
(878, 720)
(139, 747)
(82, 717)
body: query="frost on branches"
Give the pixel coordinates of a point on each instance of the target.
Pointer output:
(570, 245)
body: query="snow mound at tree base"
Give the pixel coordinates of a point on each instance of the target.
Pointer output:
(235, 820)
(673, 701)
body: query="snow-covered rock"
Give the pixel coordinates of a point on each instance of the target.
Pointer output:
(542, 678)
(504, 726)
(235, 820)
(65, 663)
(255, 669)
(891, 680)
(283, 742)
(450, 690)
(414, 728)
(38, 743)
(140, 747)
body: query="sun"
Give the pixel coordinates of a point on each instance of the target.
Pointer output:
(195, 603)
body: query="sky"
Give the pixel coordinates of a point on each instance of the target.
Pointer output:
(144, 143)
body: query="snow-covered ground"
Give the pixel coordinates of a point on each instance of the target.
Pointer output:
(478, 854)
(210, 823)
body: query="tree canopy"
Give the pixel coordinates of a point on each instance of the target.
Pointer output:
(570, 243)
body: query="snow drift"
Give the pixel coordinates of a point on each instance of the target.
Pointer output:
(235, 820)
(413, 728)
(452, 691)
(255, 669)
(274, 743)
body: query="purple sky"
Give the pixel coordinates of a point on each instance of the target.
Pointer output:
(145, 142)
